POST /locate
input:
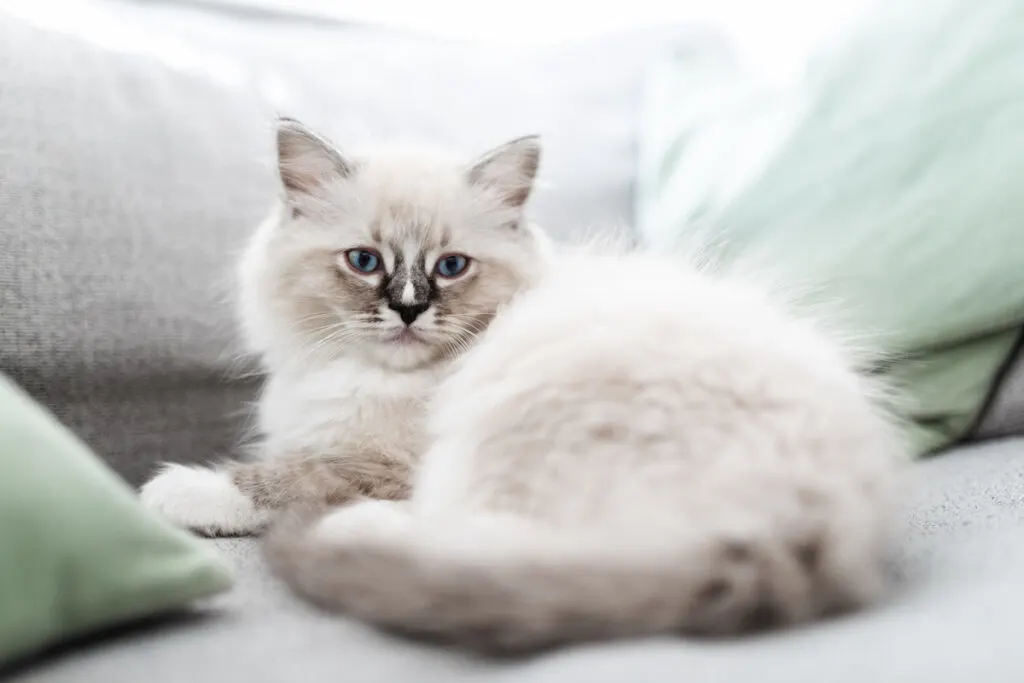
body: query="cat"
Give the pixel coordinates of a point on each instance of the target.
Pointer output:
(371, 275)
(636, 446)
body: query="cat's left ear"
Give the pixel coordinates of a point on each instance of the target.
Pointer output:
(510, 169)
(307, 161)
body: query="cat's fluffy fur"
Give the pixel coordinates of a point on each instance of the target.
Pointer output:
(636, 447)
(341, 415)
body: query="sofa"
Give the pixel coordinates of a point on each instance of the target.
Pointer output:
(135, 158)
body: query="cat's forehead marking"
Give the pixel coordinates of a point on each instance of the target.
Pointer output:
(402, 221)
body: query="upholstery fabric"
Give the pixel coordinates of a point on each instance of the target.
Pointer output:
(1005, 413)
(136, 157)
(953, 618)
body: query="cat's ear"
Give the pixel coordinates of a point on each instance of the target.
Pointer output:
(509, 169)
(307, 161)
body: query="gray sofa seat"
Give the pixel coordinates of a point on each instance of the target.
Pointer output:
(957, 616)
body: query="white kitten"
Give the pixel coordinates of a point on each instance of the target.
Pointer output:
(357, 292)
(635, 447)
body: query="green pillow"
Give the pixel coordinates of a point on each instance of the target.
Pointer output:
(77, 551)
(888, 171)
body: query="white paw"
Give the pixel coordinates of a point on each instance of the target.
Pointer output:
(203, 500)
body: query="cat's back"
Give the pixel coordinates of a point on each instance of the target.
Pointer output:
(675, 434)
(645, 316)
(641, 348)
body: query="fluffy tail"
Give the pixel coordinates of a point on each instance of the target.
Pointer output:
(500, 589)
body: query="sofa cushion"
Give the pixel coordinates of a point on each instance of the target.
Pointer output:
(952, 619)
(884, 173)
(77, 551)
(119, 216)
(1004, 414)
(135, 158)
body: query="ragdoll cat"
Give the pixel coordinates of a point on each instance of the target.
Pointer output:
(634, 447)
(357, 292)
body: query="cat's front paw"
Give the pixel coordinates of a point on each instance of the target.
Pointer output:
(203, 500)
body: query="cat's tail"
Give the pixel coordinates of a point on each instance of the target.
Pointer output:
(498, 587)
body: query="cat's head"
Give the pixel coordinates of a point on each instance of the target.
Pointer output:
(398, 257)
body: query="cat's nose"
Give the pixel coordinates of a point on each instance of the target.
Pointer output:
(407, 312)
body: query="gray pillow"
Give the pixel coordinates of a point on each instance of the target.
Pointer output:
(125, 188)
(1004, 415)
(136, 158)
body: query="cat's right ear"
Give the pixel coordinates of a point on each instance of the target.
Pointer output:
(510, 170)
(306, 161)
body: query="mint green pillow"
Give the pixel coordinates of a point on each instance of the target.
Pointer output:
(77, 551)
(889, 171)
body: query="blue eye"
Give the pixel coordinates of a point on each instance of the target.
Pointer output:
(452, 265)
(363, 260)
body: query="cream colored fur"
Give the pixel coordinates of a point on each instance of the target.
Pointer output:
(341, 415)
(636, 447)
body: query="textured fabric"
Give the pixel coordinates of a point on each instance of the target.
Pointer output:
(1005, 414)
(119, 217)
(886, 171)
(135, 157)
(77, 550)
(955, 618)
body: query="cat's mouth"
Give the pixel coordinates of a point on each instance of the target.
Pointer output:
(405, 337)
